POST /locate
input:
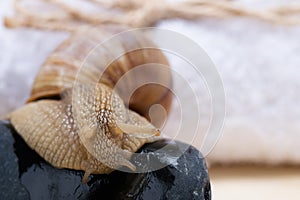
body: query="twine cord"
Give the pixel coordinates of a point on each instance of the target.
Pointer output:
(137, 13)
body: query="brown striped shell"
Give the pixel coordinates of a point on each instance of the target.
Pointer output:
(60, 69)
(104, 133)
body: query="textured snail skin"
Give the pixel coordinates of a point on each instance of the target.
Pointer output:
(48, 127)
(103, 133)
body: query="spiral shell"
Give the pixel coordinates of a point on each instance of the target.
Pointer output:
(60, 69)
(105, 133)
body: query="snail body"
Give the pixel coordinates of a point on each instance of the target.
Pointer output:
(103, 133)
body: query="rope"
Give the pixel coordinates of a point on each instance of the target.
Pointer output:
(137, 13)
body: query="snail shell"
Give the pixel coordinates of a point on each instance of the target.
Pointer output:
(60, 69)
(105, 133)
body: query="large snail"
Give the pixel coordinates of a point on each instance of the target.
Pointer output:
(109, 130)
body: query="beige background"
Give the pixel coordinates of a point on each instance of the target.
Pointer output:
(255, 183)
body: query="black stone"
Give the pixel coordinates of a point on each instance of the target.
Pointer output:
(25, 175)
(10, 185)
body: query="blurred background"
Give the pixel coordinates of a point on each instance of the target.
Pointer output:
(256, 52)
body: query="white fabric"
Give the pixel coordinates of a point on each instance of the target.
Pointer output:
(258, 62)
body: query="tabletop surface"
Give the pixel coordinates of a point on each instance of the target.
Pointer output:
(255, 183)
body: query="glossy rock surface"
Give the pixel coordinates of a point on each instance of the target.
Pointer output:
(25, 175)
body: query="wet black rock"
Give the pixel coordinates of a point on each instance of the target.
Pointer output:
(10, 186)
(25, 175)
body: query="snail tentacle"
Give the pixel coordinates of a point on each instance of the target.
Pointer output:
(87, 172)
(133, 129)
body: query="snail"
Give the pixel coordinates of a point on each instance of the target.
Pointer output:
(105, 131)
